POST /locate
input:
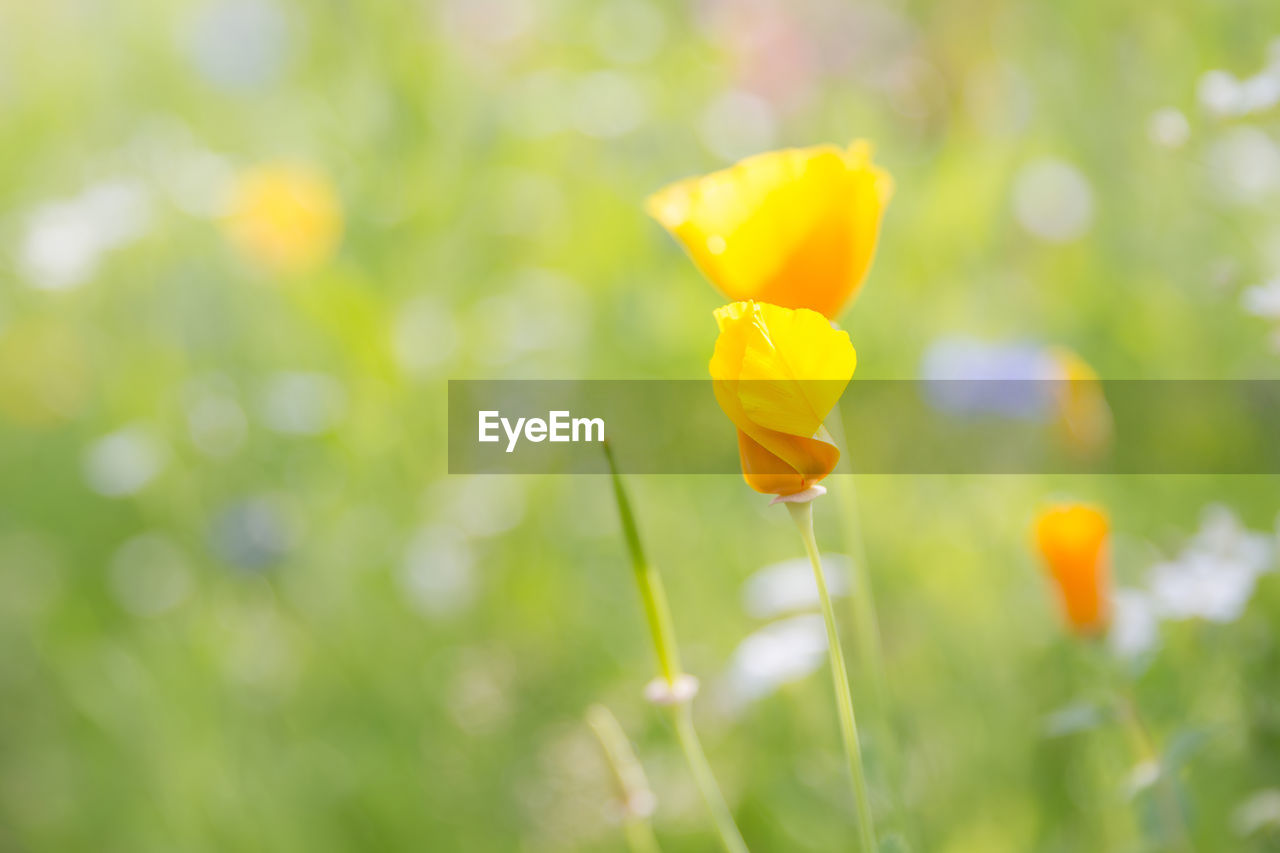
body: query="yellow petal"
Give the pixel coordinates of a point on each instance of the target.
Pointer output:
(788, 367)
(796, 228)
(285, 218)
(1083, 412)
(777, 374)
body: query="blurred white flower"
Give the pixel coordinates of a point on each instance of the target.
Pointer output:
(788, 586)
(1226, 96)
(628, 31)
(779, 653)
(300, 403)
(737, 124)
(238, 44)
(1168, 128)
(1053, 200)
(1219, 92)
(123, 462)
(64, 241)
(1244, 165)
(437, 573)
(1214, 576)
(150, 575)
(1263, 300)
(1260, 811)
(608, 104)
(1134, 624)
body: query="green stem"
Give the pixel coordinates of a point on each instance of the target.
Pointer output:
(633, 788)
(866, 628)
(658, 616)
(652, 593)
(682, 717)
(802, 514)
(1145, 746)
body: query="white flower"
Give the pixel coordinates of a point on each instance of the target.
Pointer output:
(1263, 300)
(789, 587)
(123, 462)
(1134, 626)
(1259, 811)
(1214, 576)
(65, 240)
(779, 653)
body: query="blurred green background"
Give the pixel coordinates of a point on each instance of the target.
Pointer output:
(243, 607)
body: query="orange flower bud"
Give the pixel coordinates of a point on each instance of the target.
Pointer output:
(1072, 539)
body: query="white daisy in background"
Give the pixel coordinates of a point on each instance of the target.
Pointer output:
(1263, 300)
(1214, 576)
(1135, 625)
(1261, 811)
(779, 653)
(789, 587)
(66, 240)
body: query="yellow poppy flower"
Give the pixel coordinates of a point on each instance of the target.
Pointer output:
(1072, 540)
(1084, 416)
(795, 228)
(285, 218)
(777, 373)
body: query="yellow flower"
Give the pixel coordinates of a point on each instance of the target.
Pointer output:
(285, 218)
(1084, 416)
(795, 228)
(1072, 540)
(777, 374)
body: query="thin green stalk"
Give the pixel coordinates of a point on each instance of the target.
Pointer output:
(868, 644)
(633, 788)
(802, 514)
(658, 615)
(1144, 744)
(682, 718)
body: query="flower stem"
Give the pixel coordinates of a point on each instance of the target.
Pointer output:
(802, 514)
(633, 788)
(1144, 744)
(682, 716)
(658, 615)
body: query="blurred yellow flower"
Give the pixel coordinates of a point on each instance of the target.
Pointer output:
(795, 228)
(1072, 540)
(284, 217)
(1084, 416)
(777, 374)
